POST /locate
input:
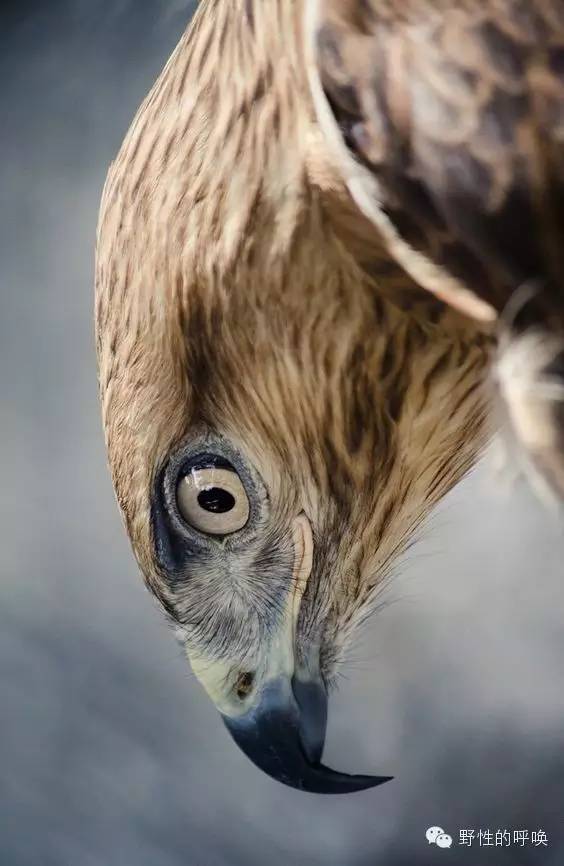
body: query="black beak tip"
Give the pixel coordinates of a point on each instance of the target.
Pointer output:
(287, 747)
(333, 782)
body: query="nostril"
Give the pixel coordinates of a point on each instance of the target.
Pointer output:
(244, 684)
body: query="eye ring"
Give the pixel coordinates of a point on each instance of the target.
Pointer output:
(213, 500)
(204, 449)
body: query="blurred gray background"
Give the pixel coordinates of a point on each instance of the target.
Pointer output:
(110, 753)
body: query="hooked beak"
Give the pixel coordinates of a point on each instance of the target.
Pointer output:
(281, 723)
(284, 736)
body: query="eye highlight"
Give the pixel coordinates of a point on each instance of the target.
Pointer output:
(213, 500)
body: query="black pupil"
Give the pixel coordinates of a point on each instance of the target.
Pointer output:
(216, 499)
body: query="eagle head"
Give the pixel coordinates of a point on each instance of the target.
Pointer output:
(276, 428)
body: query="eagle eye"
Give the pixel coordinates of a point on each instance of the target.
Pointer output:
(212, 499)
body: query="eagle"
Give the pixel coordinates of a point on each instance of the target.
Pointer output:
(328, 266)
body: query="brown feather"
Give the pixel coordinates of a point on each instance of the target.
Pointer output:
(240, 291)
(451, 120)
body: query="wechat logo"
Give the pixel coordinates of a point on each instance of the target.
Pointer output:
(437, 836)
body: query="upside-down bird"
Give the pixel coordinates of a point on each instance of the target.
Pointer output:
(328, 246)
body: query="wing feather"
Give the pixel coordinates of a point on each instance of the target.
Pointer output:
(453, 116)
